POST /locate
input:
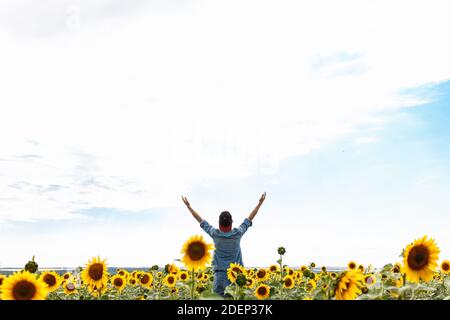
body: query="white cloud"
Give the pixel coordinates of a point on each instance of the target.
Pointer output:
(129, 111)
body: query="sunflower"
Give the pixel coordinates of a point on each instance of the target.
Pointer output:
(170, 280)
(97, 291)
(2, 277)
(234, 270)
(351, 265)
(200, 276)
(420, 259)
(159, 274)
(66, 276)
(23, 286)
(333, 275)
(445, 267)
(397, 268)
(146, 279)
(303, 268)
(349, 285)
(123, 273)
(311, 285)
(200, 288)
(274, 268)
(262, 275)
(69, 287)
(205, 277)
(250, 283)
(184, 276)
(138, 275)
(361, 268)
(51, 279)
(174, 291)
(288, 282)
(95, 275)
(370, 280)
(196, 253)
(119, 282)
(262, 291)
(298, 275)
(132, 281)
(173, 269)
(289, 271)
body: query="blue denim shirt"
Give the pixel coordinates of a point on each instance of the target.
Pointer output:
(227, 244)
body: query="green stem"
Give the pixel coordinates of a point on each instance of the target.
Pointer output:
(193, 284)
(403, 284)
(281, 280)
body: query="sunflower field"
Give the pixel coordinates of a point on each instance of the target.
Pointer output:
(418, 275)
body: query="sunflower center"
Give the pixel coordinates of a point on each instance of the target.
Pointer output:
(24, 290)
(418, 257)
(170, 280)
(262, 290)
(145, 279)
(352, 266)
(288, 282)
(261, 273)
(445, 267)
(70, 286)
(96, 271)
(183, 276)
(369, 280)
(50, 280)
(118, 282)
(1, 281)
(196, 251)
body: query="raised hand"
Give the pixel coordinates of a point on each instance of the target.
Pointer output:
(255, 211)
(263, 197)
(194, 213)
(186, 202)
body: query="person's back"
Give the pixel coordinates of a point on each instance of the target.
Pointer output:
(227, 243)
(228, 248)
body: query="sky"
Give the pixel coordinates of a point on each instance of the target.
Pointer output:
(111, 110)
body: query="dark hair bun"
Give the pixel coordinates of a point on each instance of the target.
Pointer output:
(225, 219)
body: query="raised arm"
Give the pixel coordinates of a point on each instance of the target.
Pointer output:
(194, 213)
(255, 211)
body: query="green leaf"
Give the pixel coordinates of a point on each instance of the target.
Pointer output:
(387, 267)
